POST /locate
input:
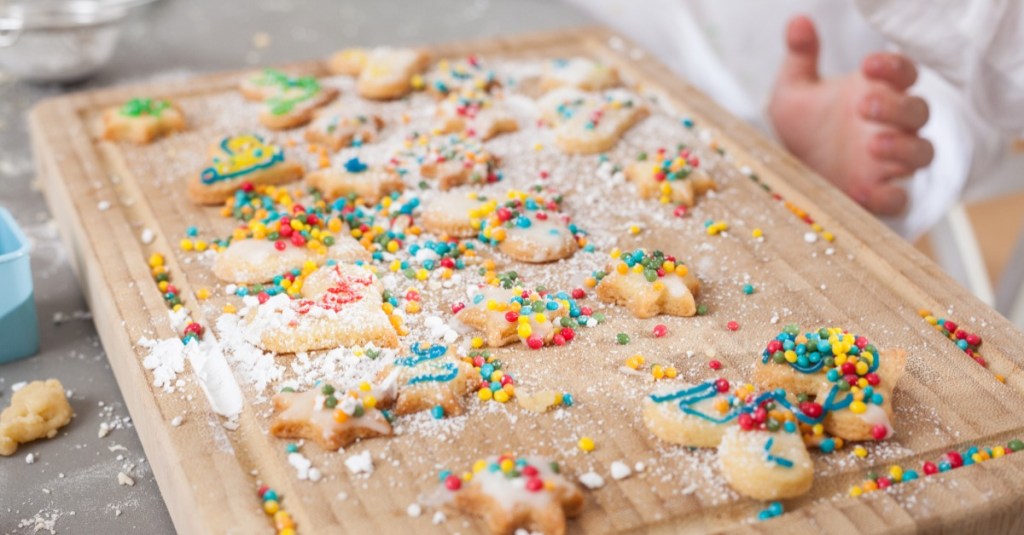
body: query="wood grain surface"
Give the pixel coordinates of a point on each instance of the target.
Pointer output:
(868, 280)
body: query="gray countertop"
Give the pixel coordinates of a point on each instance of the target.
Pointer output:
(71, 485)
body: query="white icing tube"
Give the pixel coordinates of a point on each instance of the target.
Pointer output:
(215, 377)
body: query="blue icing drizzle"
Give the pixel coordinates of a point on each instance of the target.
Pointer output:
(781, 461)
(422, 355)
(448, 372)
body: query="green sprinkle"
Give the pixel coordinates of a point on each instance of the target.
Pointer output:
(622, 339)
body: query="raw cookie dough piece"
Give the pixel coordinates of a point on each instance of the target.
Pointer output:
(142, 120)
(336, 128)
(765, 465)
(356, 177)
(459, 75)
(530, 227)
(511, 493)
(37, 411)
(580, 73)
(452, 161)
(501, 316)
(599, 123)
(341, 307)
(236, 160)
(253, 261)
(817, 364)
(452, 213)
(288, 101)
(427, 379)
(670, 178)
(331, 418)
(476, 114)
(384, 73)
(649, 284)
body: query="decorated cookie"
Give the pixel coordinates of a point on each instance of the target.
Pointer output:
(142, 120)
(288, 101)
(340, 307)
(649, 284)
(580, 73)
(511, 493)
(504, 315)
(671, 178)
(240, 159)
(459, 75)
(349, 61)
(453, 213)
(529, 227)
(251, 261)
(330, 417)
(760, 448)
(427, 380)
(598, 123)
(561, 104)
(356, 178)
(37, 411)
(384, 73)
(475, 114)
(336, 128)
(847, 380)
(452, 161)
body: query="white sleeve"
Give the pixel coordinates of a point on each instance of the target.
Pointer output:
(976, 45)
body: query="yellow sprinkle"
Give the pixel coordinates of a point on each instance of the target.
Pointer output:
(657, 371)
(200, 245)
(369, 402)
(185, 244)
(859, 451)
(757, 233)
(203, 293)
(477, 342)
(501, 396)
(484, 394)
(856, 491)
(634, 229)
(586, 444)
(364, 386)
(229, 309)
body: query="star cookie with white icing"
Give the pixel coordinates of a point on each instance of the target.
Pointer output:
(355, 177)
(649, 284)
(428, 379)
(330, 417)
(675, 178)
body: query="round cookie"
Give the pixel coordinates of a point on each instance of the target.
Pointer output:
(530, 228)
(452, 213)
(765, 465)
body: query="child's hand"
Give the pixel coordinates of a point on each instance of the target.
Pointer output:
(858, 130)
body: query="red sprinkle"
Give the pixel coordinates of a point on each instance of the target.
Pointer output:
(280, 245)
(722, 385)
(879, 432)
(929, 468)
(535, 342)
(534, 484)
(733, 326)
(660, 330)
(511, 316)
(452, 482)
(558, 340)
(955, 460)
(680, 211)
(262, 297)
(262, 490)
(578, 293)
(715, 365)
(568, 334)
(811, 409)
(456, 307)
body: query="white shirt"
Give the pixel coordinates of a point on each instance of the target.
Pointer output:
(970, 55)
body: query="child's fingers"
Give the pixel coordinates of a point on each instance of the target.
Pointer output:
(887, 199)
(901, 148)
(897, 109)
(893, 69)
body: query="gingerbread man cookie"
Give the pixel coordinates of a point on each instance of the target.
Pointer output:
(847, 381)
(476, 114)
(245, 158)
(511, 493)
(142, 120)
(426, 380)
(340, 307)
(649, 284)
(504, 315)
(383, 73)
(453, 213)
(670, 178)
(530, 227)
(760, 450)
(330, 417)
(252, 261)
(599, 124)
(460, 75)
(356, 178)
(580, 73)
(452, 161)
(336, 128)
(288, 101)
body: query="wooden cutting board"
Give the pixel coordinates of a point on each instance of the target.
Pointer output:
(868, 280)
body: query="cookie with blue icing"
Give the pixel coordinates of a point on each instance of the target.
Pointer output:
(237, 160)
(426, 378)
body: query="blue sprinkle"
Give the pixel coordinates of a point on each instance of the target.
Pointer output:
(192, 231)
(354, 165)
(291, 448)
(437, 412)
(567, 399)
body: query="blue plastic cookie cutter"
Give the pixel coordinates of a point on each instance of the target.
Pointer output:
(19, 328)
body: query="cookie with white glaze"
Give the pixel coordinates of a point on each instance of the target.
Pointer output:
(598, 124)
(385, 73)
(579, 73)
(426, 379)
(510, 493)
(675, 178)
(475, 114)
(354, 177)
(502, 318)
(457, 76)
(340, 307)
(530, 227)
(331, 418)
(254, 261)
(765, 465)
(452, 213)
(649, 284)
(452, 161)
(337, 128)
